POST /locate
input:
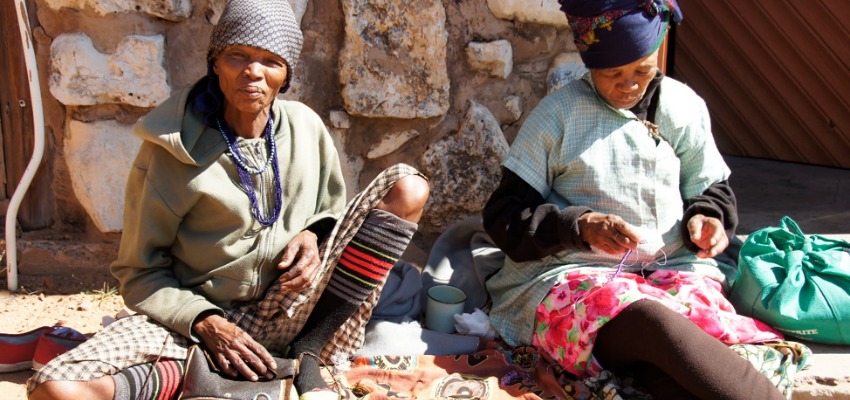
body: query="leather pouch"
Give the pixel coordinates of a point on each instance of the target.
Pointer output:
(203, 381)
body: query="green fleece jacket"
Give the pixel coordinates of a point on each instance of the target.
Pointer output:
(190, 243)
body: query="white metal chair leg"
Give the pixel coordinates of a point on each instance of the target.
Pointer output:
(38, 150)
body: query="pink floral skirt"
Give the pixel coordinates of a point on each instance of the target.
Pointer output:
(569, 317)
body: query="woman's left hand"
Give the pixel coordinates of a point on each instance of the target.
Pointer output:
(301, 261)
(708, 234)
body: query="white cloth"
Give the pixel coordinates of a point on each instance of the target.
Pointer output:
(409, 339)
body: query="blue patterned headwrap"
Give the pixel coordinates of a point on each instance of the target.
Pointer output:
(265, 24)
(611, 33)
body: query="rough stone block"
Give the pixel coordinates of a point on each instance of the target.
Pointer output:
(393, 63)
(514, 106)
(172, 10)
(546, 12)
(495, 58)
(351, 164)
(391, 143)
(133, 74)
(463, 168)
(99, 156)
(340, 119)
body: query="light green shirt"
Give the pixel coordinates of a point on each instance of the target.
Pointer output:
(575, 149)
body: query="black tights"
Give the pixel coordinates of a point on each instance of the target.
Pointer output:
(674, 359)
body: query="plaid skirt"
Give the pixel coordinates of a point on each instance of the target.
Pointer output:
(272, 321)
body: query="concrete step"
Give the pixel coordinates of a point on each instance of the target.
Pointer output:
(829, 375)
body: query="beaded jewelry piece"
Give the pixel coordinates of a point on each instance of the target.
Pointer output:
(245, 171)
(230, 139)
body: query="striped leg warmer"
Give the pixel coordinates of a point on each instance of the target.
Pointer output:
(363, 266)
(140, 382)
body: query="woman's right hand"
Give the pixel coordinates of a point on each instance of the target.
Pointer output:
(300, 262)
(607, 232)
(233, 350)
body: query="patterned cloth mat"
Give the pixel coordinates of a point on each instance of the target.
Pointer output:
(497, 372)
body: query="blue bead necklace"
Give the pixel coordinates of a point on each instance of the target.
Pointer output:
(245, 171)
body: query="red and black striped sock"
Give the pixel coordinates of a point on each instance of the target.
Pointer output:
(362, 267)
(156, 381)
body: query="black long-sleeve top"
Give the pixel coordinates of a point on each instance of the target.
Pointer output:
(527, 228)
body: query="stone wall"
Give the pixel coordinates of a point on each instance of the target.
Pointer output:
(441, 85)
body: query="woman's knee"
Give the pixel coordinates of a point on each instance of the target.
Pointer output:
(645, 307)
(407, 198)
(101, 388)
(636, 333)
(653, 315)
(640, 322)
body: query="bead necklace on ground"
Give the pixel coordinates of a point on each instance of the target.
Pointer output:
(246, 171)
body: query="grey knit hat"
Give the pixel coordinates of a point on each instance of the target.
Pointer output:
(266, 24)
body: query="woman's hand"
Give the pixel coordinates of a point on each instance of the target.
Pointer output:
(233, 350)
(607, 232)
(303, 251)
(708, 234)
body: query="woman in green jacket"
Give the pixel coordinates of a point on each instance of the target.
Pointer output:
(228, 201)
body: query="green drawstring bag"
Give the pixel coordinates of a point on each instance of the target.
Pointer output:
(797, 284)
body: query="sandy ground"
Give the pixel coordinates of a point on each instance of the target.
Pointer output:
(56, 299)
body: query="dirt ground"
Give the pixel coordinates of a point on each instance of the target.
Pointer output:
(56, 291)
